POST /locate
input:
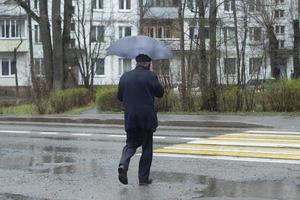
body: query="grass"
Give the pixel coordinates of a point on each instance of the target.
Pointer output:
(24, 109)
(79, 110)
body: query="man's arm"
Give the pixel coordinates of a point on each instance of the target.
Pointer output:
(158, 90)
(120, 92)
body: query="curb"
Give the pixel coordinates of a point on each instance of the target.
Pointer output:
(213, 124)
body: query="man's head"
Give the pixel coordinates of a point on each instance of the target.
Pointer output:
(143, 60)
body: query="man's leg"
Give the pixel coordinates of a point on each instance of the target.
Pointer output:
(146, 158)
(133, 141)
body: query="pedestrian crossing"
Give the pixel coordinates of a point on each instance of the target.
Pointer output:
(277, 146)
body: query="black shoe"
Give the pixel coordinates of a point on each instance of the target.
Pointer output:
(146, 183)
(123, 175)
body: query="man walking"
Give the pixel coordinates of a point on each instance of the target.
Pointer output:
(137, 90)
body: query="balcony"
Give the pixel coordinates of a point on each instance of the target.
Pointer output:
(161, 13)
(8, 45)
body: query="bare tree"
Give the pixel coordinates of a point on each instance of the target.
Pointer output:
(89, 40)
(52, 55)
(213, 104)
(181, 13)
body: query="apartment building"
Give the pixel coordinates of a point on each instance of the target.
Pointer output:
(161, 21)
(114, 19)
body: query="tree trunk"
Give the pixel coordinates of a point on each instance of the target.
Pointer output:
(67, 75)
(243, 72)
(47, 44)
(57, 45)
(182, 56)
(203, 59)
(213, 55)
(273, 47)
(296, 49)
(237, 47)
(32, 72)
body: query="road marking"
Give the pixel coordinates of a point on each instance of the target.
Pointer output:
(253, 150)
(188, 138)
(48, 133)
(261, 136)
(82, 134)
(241, 143)
(10, 131)
(265, 160)
(241, 146)
(275, 132)
(120, 136)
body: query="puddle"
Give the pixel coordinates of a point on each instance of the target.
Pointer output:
(254, 189)
(213, 188)
(9, 196)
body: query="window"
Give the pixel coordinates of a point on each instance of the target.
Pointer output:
(163, 32)
(36, 4)
(124, 65)
(73, 26)
(98, 4)
(124, 31)
(279, 1)
(255, 33)
(12, 28)
(254, 65)
(97, 34)
(279, 13)
(37, 34)
(72, 43)
(254, 5)
(228, 5)
(151, 32)
(124, 4)
(8, 67)
(99, 67)
(229, 66)
(279, 29)
(229, 36)
(165, 3)
(39, 68)
(194, 30)
(281, 44)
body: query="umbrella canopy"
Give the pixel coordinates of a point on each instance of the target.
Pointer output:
(130, 47)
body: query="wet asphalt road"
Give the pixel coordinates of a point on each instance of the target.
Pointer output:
(40, 162)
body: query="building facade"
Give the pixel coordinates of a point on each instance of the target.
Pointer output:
(110, 20)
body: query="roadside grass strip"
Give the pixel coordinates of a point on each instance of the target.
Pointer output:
(241, 146)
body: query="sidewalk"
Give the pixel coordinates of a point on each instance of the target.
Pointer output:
(208, 120)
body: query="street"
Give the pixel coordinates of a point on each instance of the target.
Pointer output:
(71, 161)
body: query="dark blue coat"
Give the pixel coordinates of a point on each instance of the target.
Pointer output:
(137, 90)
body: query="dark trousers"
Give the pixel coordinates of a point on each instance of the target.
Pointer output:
(135, 139)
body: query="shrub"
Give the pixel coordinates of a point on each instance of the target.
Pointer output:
(106, 99)
(170, 102)
(61, 101)
(281, 96)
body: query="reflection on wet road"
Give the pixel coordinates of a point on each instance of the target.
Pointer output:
(42, 168)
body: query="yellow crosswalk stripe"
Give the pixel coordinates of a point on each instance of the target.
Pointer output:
(234, 154)
(228, 147)
(241, 145)
(260, 136)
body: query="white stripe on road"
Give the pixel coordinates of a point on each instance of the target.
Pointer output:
(120, 136)
(159, 137)
(275, 132)
(263, 160)
(48, 133)
(82, 134)
(10, 131)
(188, 138)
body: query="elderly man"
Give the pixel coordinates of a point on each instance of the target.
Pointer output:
(137, 90)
